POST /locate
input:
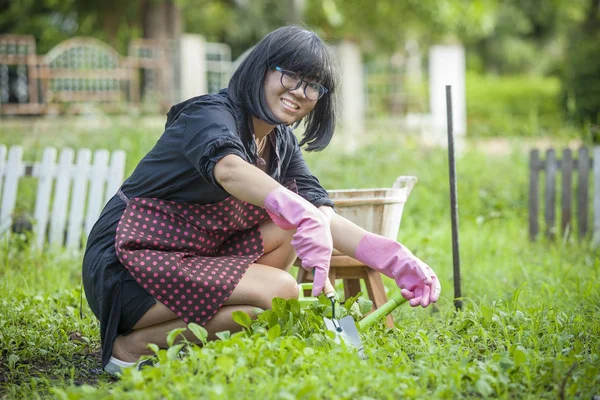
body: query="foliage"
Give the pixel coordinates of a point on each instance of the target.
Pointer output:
(240, 24)
(522, 37)
(581, 85)
(529, 327)
(513, 105)
(52, 22)
(538, 37)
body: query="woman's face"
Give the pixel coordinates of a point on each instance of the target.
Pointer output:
(288, 106)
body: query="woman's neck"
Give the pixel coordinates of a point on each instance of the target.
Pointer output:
(261, 128)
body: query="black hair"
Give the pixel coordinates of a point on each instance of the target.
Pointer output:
(295, 49)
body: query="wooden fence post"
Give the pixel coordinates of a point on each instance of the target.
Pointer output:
(550, 196)
(567, 170)
(596, 167)
(58, 222)
(62, 216)
(13, 168)
(45, 175)
(583, 163)
(567, 166)
(534, 160)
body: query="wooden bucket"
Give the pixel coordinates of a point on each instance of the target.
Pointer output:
(376, 210)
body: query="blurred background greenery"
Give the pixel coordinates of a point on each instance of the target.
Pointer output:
(533, 66)
(533, 74)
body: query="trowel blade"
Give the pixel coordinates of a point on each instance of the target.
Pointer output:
(345, 329)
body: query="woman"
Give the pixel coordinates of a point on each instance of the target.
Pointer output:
(212, 218)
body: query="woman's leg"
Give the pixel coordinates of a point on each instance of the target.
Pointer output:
(279, 252)
(257, 288)
(131, 347)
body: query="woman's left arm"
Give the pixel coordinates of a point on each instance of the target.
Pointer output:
(295, 169)
(419, 284)
(345, 234)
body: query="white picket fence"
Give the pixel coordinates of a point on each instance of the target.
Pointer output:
(70, 193)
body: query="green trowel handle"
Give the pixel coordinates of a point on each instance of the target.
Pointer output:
(382, 311)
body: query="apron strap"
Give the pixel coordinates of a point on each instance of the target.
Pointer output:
(123, 197)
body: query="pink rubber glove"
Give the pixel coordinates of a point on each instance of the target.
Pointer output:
(312, 240)
(418, 282)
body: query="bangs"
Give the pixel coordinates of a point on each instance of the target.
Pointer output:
(307, 55)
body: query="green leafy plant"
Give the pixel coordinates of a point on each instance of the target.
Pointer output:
(528, 329)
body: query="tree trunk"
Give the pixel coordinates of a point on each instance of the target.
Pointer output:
(161, 20)
(294, 11)
(110, 26)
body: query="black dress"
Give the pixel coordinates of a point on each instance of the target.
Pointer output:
(179, 169)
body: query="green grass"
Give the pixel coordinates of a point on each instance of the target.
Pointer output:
(529, 326)
(516, 106)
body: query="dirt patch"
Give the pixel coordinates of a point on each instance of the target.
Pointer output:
(86, 366)
(3, 375)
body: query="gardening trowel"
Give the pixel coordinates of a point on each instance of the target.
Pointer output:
(345, 328)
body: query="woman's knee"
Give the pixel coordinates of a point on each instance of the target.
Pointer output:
(261, 284)
(286, 287)
(274, 237)
(277, 242)
(281, 285)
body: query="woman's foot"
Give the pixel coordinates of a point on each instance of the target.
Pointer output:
(115, 366)
(123, 358)
(129, 348)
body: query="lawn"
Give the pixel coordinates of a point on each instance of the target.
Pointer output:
(529, 327)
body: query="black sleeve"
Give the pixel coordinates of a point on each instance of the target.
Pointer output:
(210, 133)
(308, 184)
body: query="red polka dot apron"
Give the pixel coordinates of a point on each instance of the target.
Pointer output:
(190, 257)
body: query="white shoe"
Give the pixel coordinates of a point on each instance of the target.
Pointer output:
(115, 366)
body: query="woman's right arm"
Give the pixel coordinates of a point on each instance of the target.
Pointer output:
(312, 240)
(244, 180)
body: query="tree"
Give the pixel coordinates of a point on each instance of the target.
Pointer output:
(581, 72)
(116, 22)
(240, 23)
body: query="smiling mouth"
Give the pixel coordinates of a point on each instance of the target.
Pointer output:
(290, 105)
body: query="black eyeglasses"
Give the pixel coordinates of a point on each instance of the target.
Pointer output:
(292, 81)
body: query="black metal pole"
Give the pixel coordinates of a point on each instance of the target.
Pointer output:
(453, 201)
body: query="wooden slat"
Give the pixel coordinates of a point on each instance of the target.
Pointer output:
(78, 197)
(58, 220)
(114, 175)
(567, 163)
(2, 166)
(86, 96)
(376, 292)
(45, 172)
(596, 169)
(28, 108)
(534, 157)
(582, 192)
(351, 287)
(550, 195)
(345, 261)
(97, 185)
(14, 171)
(352, 272)
(90, 74)
(378, 210)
